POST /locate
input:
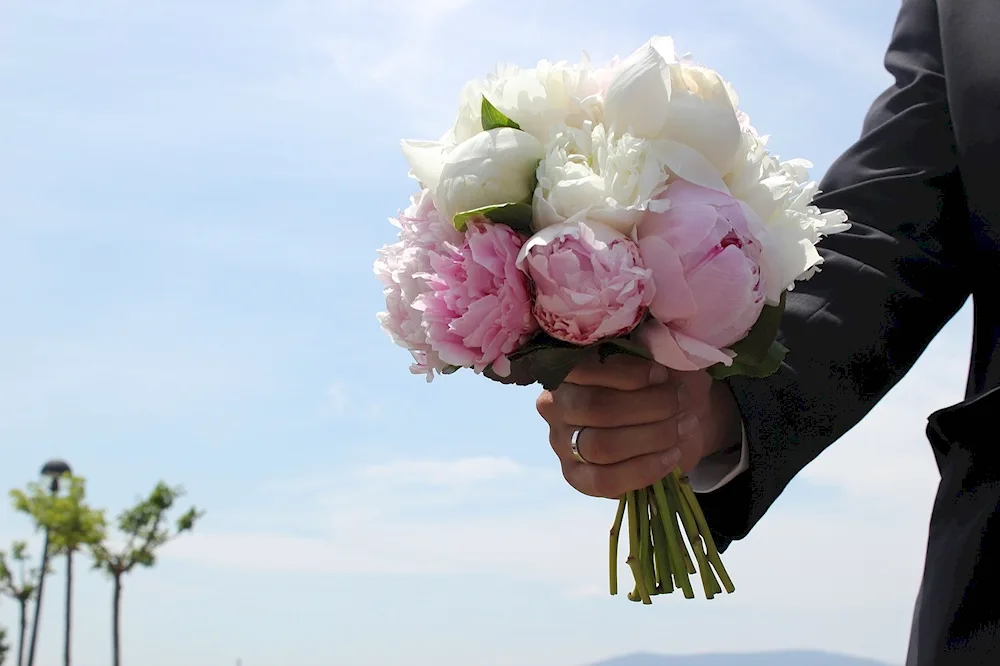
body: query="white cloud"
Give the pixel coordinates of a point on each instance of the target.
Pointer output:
(861, 552)
(149, 364)
(337, 398)
(442, 473)
(424, 51)
(349, 401)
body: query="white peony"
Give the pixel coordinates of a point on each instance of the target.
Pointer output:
(781, 195)
(690, 109)
(614, 179)
(537, 99)
(491, 168)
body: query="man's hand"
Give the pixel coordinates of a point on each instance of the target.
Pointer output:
(640, 421)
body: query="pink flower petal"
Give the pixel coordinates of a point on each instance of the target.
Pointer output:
(728, 296)
(705, 260)
(477, 306)
(673, 299)
(675, 350)
(589, 280)
(662, 344)
(701, 354)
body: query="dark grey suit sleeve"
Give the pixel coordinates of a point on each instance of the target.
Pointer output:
(886, 288)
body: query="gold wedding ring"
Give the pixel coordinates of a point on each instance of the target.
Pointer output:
(574, 445)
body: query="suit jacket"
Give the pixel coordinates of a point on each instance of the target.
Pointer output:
(922, 189)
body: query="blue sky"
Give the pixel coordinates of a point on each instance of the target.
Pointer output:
(191, 195)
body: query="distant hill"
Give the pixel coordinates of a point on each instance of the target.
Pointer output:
(779, 658)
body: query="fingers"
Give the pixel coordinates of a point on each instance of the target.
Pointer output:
(615, 480)
(621, 372)
(620, 460)
(603, 407)
(609, 446)
(638, 424)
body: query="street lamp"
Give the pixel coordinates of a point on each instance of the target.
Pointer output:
(52, 470)
(55, 470)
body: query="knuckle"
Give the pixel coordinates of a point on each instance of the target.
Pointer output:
(603, 483)
(640, 374)
(583, 478)
(545, 404)
(651, 471)
(643, 471)
(567, 472)
(554, 442)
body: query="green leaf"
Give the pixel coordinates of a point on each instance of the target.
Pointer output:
(741, 368)
(517, 216)
(450, 369)
(547, 361)
(756, 346)
(494, 117)
(543, 360)
(624, 345)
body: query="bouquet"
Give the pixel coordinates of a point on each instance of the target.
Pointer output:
(628, 208)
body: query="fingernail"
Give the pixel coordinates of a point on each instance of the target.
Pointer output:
(671, 457)
(657, 374)
(683, 397)
(687, 425)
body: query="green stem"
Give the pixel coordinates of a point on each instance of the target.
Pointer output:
(651, 550)
(645, 545)
(688, 562)
(616, 529)
(706, 533)
(686, 566)
(708, 581)
(633, 541)
(661, 552)
(674, 541)
(654, 547)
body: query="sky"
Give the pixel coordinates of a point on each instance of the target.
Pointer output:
(191, 195)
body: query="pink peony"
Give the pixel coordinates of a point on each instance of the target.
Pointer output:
(590, 283)
(704, 252)
(402, 268)
(478, 309)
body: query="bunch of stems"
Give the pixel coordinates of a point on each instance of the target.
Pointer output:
(659, 518)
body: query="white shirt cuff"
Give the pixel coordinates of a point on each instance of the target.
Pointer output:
(720, 468)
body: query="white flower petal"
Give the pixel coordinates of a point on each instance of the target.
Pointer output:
(548, 95)
(614, 177)
(622, 220)
(426, 158)
(701, 114)
(542, 212)
(664, 46)
(688, 164)
(491, 168)
(637, 98)
(577, 226)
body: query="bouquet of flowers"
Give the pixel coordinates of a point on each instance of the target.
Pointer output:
(628, 208)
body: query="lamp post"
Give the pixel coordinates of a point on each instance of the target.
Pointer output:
(52, 470)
